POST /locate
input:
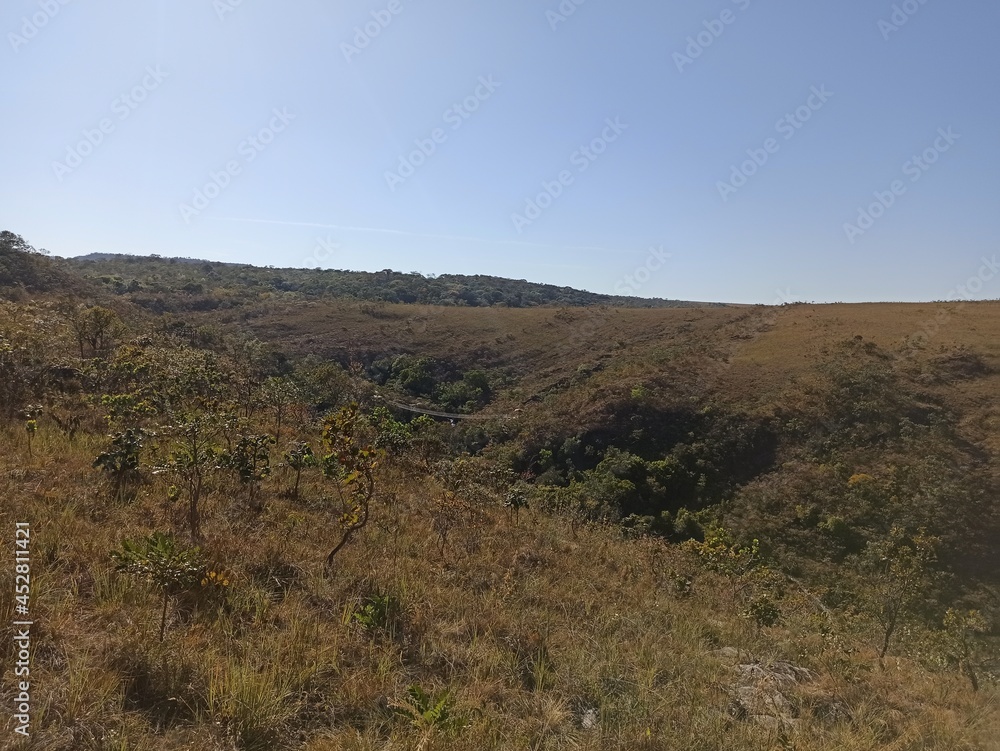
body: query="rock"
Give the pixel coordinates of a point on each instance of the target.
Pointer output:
(831, 711)
(759, 694)
(737, 710)
(780, 673)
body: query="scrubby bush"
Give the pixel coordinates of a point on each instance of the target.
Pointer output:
(250, 459)
(120, 462)
(159, 560)
(351, 466)
(298, 457)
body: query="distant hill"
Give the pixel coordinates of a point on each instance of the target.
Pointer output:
(147, 276)
(24, 268)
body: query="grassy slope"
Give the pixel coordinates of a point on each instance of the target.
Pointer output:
(751, 358)
(529, 624)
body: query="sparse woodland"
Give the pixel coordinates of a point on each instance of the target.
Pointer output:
(674, 528)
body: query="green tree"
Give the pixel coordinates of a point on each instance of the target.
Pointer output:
(350, 464)
(467, 395)
(391, 435)
(96, 327)
(120, 461)
(414, 375)
(252, 362)
(298, 457)
(160, 561)
(193, 456)
(897, 579)
(324, 385)
(427, 444)
(279, 393)
(250, 459)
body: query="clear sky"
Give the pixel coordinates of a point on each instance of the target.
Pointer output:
(708, 151)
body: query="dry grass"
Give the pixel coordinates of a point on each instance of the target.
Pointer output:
(547, 638)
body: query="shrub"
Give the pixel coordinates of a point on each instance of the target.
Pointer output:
(429, 712)
(898, 573)
(378, 613)
(250, 459)
(161, 562)
(298, 457)
(351, 466)
(121, 462)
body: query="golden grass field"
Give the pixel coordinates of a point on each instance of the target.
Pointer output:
(532, 626)
(533, 632)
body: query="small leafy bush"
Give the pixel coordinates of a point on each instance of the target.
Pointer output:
(298, 457)
(429, 712)
(120, 462)
(158, 559)
(250, 459)
(378, 613)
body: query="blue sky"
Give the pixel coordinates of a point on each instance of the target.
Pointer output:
(733, 150)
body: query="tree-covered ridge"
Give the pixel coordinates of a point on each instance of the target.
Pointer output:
(25, 269)
(190, 283)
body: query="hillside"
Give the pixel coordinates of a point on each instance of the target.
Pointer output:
(678, 527)
(155, 282)
(24, 269)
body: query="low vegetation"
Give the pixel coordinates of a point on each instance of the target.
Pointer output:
(687, 528)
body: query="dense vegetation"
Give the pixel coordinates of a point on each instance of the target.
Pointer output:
(179, 284)
(635, 537)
